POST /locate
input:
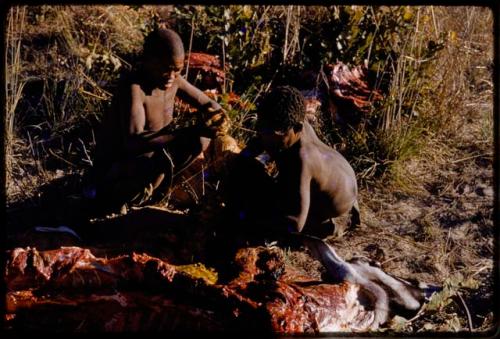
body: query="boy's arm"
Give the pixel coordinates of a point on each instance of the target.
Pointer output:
(297, 222)
(195, 96)
(139, 141)
(214, 117)
(253, 148)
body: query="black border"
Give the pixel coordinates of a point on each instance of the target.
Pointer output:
(494, 5)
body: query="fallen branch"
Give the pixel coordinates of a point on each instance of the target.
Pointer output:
(472, 157)
(469, 318)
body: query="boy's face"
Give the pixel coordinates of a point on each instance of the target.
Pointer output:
(274, 140)
(164, 70)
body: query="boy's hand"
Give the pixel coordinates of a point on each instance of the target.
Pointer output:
(216, 121)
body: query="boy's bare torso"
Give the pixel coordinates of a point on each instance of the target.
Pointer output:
(312, 169)
(158, 106)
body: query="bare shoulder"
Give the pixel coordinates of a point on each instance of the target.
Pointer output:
(133, 96)
(310, 145)
(128, 82)
(310, 155)
(182, 83)
(135, 91)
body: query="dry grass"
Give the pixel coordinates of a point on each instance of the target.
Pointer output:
(59, 83)
(429, 216)
(13, 83)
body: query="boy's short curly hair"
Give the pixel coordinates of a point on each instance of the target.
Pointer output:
(281, 109)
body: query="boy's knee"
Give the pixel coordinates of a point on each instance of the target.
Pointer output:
(162, 163)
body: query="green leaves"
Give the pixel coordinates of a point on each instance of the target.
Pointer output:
(399, 324)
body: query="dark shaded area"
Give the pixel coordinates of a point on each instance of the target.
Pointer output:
(57, 202)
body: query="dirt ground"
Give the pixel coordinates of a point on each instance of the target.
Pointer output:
(440, 230)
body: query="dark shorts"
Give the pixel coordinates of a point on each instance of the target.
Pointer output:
(134, 181)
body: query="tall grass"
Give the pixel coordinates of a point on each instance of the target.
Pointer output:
(438, 83)
(404, 123)
(61, 65)
(464, 80)
(14, 81)
(431, 63)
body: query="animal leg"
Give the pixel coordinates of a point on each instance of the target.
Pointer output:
(355, 216)
(339, 270)
(404, 293)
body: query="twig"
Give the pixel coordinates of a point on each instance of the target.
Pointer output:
(190, 190)
(374, 35)
(92, 94)
(469, 318)
(123, 61)
(88, 160)
(31, 144)
(416, 244)
(203, 180)
(209, 163)
(190, 45)
(285, 47)
(61, 158)
(418, 315)
(390, 259)
(93, 136)
(480, 270)
(244, 128)
(471, 157)
(434, 23)
(447, 241)
(224, 65)
(96, 86)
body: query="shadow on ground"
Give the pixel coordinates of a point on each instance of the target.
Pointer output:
(48, 221)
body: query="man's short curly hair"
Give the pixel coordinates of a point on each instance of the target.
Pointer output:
(283, 108)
